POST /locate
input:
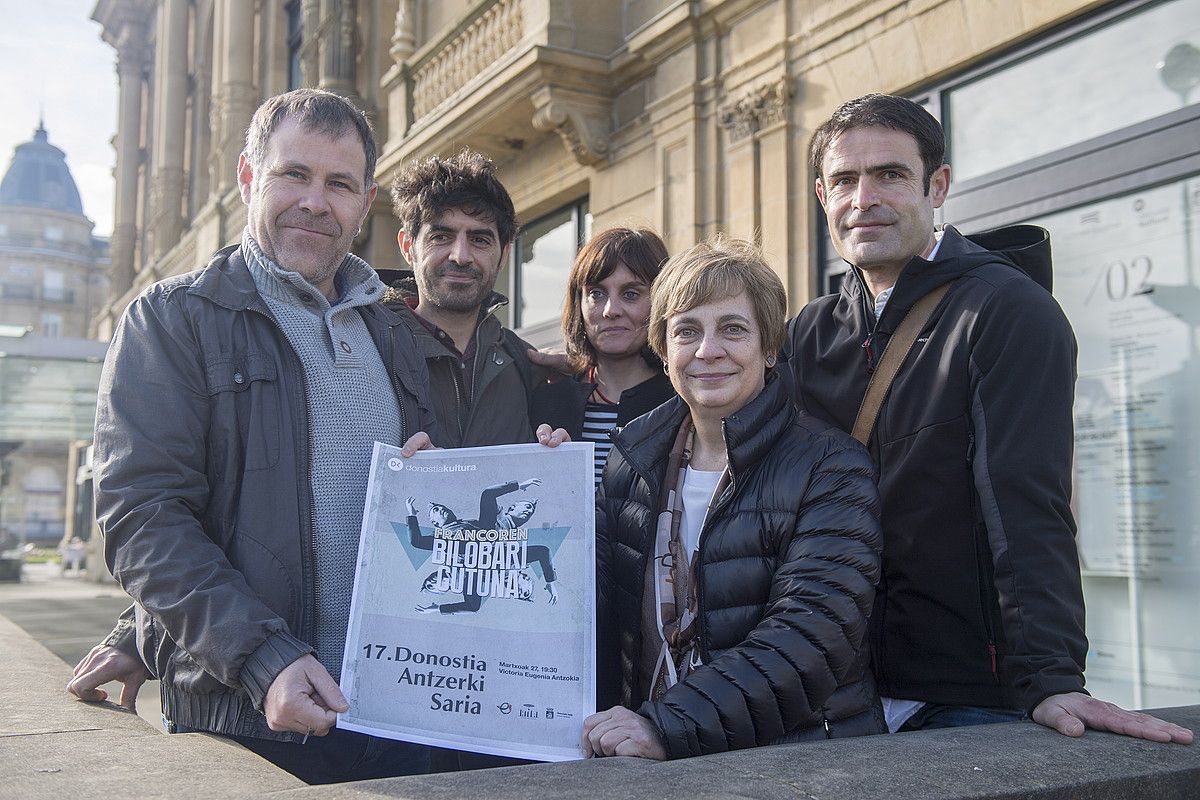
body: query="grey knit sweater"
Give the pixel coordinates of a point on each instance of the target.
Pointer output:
(351, 405)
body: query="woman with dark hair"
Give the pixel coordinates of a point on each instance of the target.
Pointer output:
(737, 539)
(607, 308)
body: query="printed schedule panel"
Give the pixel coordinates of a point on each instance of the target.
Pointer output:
(473, 620)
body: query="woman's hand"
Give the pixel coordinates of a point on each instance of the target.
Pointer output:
(523, 485)
(621, 732)
(411, 502)
(418, 441)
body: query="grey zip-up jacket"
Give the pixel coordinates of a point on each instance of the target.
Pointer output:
(202, 487)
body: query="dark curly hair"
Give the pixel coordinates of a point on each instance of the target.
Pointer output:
(467, 182)
(641, 250)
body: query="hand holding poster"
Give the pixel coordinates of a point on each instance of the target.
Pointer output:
(473, 619)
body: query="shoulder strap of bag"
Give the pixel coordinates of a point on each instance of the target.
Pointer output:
(891, 360)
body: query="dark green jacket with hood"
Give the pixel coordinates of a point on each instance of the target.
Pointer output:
(495, 410)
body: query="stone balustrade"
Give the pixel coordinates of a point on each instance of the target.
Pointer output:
(454, 62)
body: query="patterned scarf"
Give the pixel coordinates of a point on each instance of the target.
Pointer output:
(675, 571)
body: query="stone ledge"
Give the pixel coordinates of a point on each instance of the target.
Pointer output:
(55, 748)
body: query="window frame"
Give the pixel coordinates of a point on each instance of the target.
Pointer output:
(1146, 154)
(580, 218)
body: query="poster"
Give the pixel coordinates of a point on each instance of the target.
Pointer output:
(472, 624)
(1126, 273)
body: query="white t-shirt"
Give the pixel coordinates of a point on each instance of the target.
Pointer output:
(698, 488)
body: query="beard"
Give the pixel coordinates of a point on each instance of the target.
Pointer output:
(459, 298)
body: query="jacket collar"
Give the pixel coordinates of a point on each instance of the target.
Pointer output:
(227, 281)
(749, 433)
(1024, 247)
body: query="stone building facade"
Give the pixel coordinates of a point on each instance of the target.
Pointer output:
(53, 271)
(690, 117)
(53, 280)
(693, 117)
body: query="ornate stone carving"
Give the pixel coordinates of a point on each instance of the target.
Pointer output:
(756, 109)
(496, 31)
(581, 120)
(404, 38)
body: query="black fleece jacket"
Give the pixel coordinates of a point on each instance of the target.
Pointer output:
(980, 602)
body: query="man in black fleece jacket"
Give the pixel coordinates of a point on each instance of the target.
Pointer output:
(979, 615)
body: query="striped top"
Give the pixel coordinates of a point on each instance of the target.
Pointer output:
(598, 420)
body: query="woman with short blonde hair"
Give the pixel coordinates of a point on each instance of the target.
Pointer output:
(738, 539)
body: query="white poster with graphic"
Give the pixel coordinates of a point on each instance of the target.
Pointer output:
(473, 619)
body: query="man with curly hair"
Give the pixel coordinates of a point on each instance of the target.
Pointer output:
(457, 226)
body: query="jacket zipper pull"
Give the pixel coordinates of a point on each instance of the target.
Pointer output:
(992, 653)
(866, 346)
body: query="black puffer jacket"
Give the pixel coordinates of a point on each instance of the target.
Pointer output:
(788, 562)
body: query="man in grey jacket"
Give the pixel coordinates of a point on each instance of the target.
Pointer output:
(236, 541)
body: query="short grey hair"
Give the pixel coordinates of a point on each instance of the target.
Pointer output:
(318, 111)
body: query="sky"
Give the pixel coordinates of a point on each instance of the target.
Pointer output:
(53, 62)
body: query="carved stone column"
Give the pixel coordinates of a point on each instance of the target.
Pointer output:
(404, 37)
(131, 68)
(338, 47)
(170, 116)
(310, 51)
(235, 96)
(757, 165)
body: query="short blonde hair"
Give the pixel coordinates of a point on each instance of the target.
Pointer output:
(714, 270)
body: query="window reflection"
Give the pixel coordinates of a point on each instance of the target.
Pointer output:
(1127, 273)
(1103, 81)
(545, 251)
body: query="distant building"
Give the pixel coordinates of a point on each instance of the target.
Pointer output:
(53, 280)
(693, 118)
(53, 271)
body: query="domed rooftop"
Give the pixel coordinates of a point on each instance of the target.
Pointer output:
(38, 176)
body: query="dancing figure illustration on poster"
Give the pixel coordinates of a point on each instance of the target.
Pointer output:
(459, 571)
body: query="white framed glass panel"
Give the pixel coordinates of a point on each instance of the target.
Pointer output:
(1127, 274)
(1104, 80)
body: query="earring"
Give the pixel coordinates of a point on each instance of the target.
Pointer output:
(666, 369)
(770, 362)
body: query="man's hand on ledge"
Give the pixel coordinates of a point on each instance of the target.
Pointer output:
(104, 664)
(1072, 713)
